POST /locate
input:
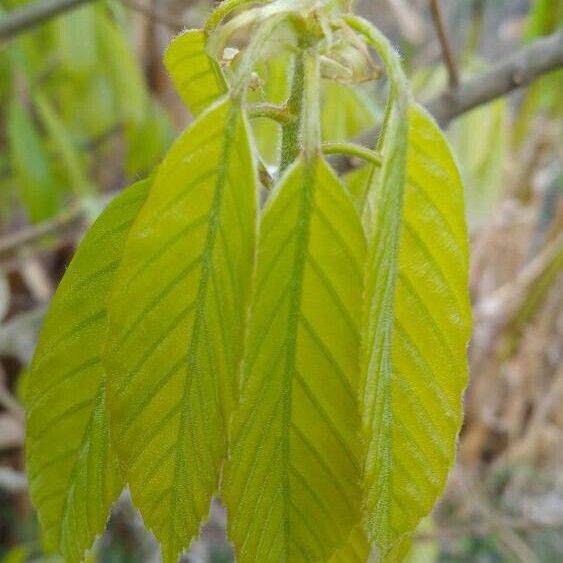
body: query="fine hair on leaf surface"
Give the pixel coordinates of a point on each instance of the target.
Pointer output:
(72, 468)
(298, 352)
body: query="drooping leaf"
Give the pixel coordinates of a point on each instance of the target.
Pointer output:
(357, 182)
(197, 76)
(291, 483)
(72, 470)
(346, 112)
(356, 549)
(417, 328)
(177, 316)
(30, 163)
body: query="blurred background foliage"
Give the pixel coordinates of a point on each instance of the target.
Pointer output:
(86, 108)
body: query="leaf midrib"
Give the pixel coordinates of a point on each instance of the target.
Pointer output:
(307, 190)
(200, 301)
(391, 218)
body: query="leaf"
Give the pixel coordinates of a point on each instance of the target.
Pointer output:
(346, 112)
(30, 162)
(291, 484)
(356, 549)
(357, 181)
(196, 76)
(72, 470)
(177, 316)
(417, 328)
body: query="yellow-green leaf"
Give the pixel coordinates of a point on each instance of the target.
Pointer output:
(291, 483)
(356, 549)
(197, 77)
(72, 470)
(177, 316)
(417, 329)
(346, 112)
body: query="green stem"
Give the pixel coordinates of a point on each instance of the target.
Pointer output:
(376, 39)
(290, 131)
(271, 111)
(353, 150)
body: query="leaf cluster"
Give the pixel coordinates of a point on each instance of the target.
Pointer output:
(302, 359)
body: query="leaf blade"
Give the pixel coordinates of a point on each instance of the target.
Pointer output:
(196, 76)
(176, 318)
(412, 405)
(74, 481)
(356, 549)
(294, 459)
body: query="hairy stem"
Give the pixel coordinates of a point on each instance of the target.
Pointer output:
(274, 112)
(352, 150)
(290, 131)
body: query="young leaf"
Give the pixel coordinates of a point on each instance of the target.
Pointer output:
(356, 549)
(417, 328)
(72, 470)
(346, 112)
(197, 77)
(177, 316)
(291, 484)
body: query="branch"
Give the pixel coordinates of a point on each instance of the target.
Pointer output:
(523, 67)
(29, 16)
(447, 53)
